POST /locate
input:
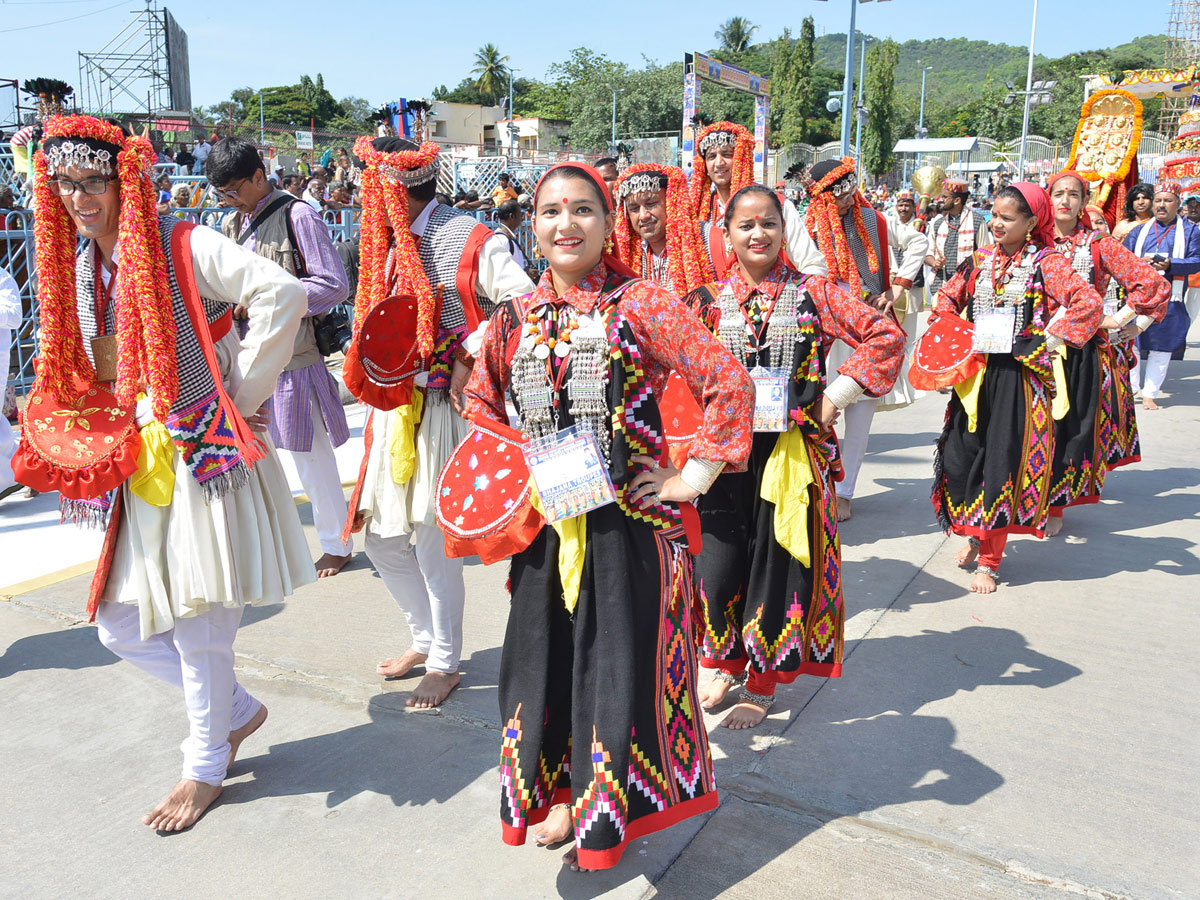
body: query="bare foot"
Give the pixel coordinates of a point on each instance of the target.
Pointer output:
(714, 693)
(967, 555)
(1053, 526)
(433, 689)
(744, 715)
(982, 583)
(571, 859)
(329, 565)
(844, 514)
(556, 827)
(1148, 403)
(401, 665)
(183, 806)
(240, 734)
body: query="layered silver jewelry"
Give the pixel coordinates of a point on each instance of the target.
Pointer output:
(81, 156)
(783, 328)
(988, 299)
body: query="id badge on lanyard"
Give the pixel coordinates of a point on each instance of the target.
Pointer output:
(569, 473)
(770, 398)
(994, 331)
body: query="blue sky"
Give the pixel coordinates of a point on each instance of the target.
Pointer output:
(380, 57)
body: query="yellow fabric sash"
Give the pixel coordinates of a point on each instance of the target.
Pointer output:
(404, 437)
(1062, 401)
(572, 544)
(785, 483)
(968, 393)
(154, 480)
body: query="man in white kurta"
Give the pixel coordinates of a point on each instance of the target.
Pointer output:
(403, 540)
(189, 552)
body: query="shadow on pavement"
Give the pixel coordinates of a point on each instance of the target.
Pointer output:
(860, 745)
(68, 648)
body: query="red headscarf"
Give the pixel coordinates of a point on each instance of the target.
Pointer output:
(1040, 206)
(1085, 218)
(614, 264)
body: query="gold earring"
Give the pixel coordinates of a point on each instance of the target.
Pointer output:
(1029, 235)
(783, 243)
(609, 246)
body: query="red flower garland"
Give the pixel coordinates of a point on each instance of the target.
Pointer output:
(743, 167)
(145, 322)
(384, 215)
(825, 225)
(690, 266)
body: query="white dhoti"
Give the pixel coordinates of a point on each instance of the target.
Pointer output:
(197, 657)
(1149, 376)
(404, 542)
(319, 477)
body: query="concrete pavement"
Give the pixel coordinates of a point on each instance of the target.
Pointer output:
(1036, 743)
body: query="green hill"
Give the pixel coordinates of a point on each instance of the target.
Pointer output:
(961, 67)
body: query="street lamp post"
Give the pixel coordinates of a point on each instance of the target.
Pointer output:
(511, 123)
(848, 81)
(921, 117)
(1028, 96)
(861, 110)
(614, 120)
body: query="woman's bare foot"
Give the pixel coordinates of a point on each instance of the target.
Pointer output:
(329, 565)
(571, 859)
(240, 734)
(744, 715)
(967, 555)
(401, 665)
(715, 692)
(982, 583)
(433, 689)
(556, 827)
(1054, 526)
(844, 514)
(1148, 403)
(183, 806)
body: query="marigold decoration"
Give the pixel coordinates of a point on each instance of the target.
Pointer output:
(1105, 147)
(145, 323)
(385, 211)
(722, 133)
(825, 225)
(689, 264)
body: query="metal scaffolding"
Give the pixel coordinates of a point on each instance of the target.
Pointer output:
(1183, 50)
(131, 73)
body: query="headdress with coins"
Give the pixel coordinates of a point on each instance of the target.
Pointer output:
(689, 265)
(721, 134)
(831, 179)
(385, 185)
(142, 300)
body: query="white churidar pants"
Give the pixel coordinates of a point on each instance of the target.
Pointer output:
(427, 587)
(856, 419)
(319, 476)
(197, 657)
(1154, 374)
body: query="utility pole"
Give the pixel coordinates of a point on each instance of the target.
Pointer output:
(921, 117)
(848, 81)
(1028, 97)
(861, 110)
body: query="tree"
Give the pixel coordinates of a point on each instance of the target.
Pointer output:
(787, 109)
(880, 99)
(735, 34)
(804, 63)
(490, 71)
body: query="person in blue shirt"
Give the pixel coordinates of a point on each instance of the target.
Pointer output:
(1172, 244)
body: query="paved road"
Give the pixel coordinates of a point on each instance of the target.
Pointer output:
(1037, 743)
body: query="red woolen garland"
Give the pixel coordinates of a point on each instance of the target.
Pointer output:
(687, 258)
(743, 167)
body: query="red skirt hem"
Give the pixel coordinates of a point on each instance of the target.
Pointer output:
(977, 532)
(606, 859)
(1125, 461)
(515, 837)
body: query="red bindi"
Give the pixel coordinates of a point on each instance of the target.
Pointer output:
(565, 201)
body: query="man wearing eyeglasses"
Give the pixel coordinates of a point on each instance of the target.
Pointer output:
(308, 420)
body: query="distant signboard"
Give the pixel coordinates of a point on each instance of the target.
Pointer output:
(304, 140)
(739, 79)
(179, 73)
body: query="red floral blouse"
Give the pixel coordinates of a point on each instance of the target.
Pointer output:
(1146, 291)
(877, 341)
(1064, 287)
(669, 338)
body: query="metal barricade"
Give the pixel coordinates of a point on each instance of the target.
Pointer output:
(17, 258)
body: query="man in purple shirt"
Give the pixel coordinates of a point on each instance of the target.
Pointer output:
(307, 412)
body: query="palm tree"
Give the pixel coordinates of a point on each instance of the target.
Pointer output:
(491, 70)
(735, 34)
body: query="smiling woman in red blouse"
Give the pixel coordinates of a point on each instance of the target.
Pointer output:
(995, 454)
(770, 574)
(604, 739)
